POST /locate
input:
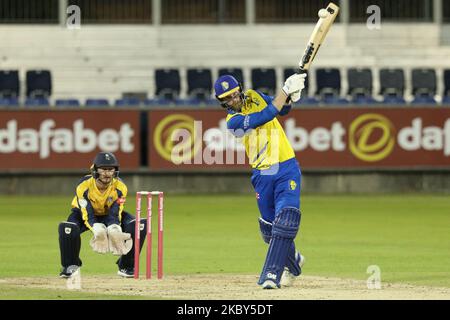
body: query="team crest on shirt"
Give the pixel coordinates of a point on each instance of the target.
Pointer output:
(83, 203)
(109, 200)
(292, 184)
(225, 85)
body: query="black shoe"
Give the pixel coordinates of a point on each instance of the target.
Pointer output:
(67, 272)
(126, 272)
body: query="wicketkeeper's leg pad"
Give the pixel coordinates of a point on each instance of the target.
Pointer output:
(69, 244)
(284, 230)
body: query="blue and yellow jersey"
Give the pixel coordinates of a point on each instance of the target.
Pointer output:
(263, 136)
(94, 203)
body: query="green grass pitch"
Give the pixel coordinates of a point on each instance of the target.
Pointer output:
(407, 236)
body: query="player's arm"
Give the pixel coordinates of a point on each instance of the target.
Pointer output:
(239, 123)
(291, 91)
(82, 202)
(284, 110)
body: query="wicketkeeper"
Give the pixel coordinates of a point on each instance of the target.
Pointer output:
(98, 206)
(276, 175)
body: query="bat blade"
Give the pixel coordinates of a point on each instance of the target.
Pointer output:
(317, 37)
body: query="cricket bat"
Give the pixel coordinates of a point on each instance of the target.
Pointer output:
(326, 19)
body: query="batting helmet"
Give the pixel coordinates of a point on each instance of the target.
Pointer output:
(226, 85)
(105, 159)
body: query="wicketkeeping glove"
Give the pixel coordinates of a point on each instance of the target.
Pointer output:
(294, 85)
(120, 243)
(99, 241)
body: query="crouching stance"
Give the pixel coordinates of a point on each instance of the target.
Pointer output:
(98, 206)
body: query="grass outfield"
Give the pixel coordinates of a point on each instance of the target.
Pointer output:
(407, 236)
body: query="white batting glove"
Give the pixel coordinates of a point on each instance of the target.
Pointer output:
(294, 85)
(120, 243)
(99, 241)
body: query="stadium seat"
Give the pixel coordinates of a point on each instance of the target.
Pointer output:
(328, 82)
(9, 102)
(157, 102)
(287, 72)
(67, 103)
(264, 80)
(359, 82)
(446, 82)
(392, 82)
(235, 72)
(363, 100)
(127, 102)
(393, 99)
(167, 83)
(306, 101)
(37, 102)
(424, 82)
(330, 99)
(9, 84)
(96, 103)
(39, 83)
(199, 82)
(423, 100)
(446, 100)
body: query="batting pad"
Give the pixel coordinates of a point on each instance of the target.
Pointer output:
(266, 233)
(284, 231)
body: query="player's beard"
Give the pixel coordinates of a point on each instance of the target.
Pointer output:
(237, 106)
(105, 180)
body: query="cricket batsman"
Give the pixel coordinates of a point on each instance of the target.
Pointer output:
(276, 175)
(98, 206)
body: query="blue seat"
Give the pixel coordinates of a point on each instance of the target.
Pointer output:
(393, 99)
(423, 82)
(424, 100)
(67, 103)
(37, 102)
(96, 102)
(194, 101)
(307, 101)
(328, 81)
(264, 80)
(167, 83)
(446, 100)
(359, 82)
(235, 72)
(446, 82)
(334, 100)
(363, 100)
(392, 82)
(156, 102)
(9, 102)
(127, 102)
(199, 82)
(39, 83)
(9, 83)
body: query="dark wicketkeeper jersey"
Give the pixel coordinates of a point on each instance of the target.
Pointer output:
(93, 203)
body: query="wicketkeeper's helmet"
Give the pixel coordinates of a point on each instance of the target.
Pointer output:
(105, 159)
(226, 85)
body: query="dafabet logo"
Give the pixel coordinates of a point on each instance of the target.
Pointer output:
(371, 137)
